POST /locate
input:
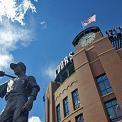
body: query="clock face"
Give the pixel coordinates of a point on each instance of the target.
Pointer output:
(87, 39)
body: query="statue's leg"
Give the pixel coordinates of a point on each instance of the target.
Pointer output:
(10, 119)
(20, 117)
(5, 116)
(7, 113)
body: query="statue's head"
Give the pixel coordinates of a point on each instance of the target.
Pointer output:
(18, 68)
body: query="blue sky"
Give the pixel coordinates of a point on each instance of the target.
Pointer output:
(53, 28)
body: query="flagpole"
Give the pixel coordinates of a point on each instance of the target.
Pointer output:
(44, 106)
(44, 103)
(82, 25)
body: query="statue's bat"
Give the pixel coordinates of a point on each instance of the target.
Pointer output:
(2, 74)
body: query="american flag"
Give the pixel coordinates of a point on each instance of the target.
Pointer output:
(89, 20)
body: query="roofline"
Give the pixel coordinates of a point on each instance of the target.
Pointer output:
(82, 33)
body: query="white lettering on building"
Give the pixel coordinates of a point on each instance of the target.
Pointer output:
(63, 63)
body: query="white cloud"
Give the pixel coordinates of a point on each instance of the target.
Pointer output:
(36, 0)
(43, 24)
(12, 35)
(5, 60)
(34, 119)
(50, 72)
(15, 10)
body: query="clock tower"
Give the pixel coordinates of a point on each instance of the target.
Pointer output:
(87, 37)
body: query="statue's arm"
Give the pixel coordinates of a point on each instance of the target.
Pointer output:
(3, 89)
(34, 87)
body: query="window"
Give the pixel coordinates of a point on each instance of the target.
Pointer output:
(104, 84)
(58, 113)
(66, 106)
(79, 118)
(113, 110)
(75, 98)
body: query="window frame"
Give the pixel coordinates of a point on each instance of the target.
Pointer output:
(75, 106)
(106, 89)
(58, 113)
(112, 106)
(66, 106)
(80, 115)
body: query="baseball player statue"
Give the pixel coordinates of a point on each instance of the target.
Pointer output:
(20, 93)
